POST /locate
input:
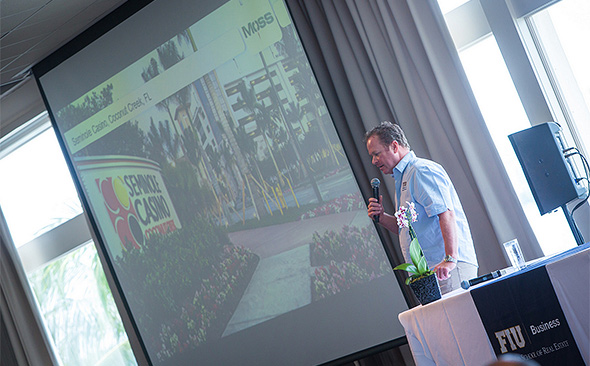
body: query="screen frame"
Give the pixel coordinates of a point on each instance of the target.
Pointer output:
(89, 36)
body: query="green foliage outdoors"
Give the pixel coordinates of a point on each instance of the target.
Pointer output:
(169, 267)
(79, 111)
(289, 215)
(127, 139)
(345, 259)
(190, 200)
(78, 309)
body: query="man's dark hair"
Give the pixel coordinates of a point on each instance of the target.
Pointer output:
(387, 133)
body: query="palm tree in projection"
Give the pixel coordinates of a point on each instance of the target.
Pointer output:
(306, 86)
(280, 116)
(221, 182)
(150, 72)
(249, 147)
(304, 81)
(262, 115)
(162, 145)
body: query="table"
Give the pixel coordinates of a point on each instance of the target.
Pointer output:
(450, 331)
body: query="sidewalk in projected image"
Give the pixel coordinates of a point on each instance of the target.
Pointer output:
(281, 282)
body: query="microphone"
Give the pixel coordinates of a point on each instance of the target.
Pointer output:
(375, 185)
(490, 276)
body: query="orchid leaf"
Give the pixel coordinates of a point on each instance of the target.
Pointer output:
(415, 252)
(404, 266)
(418, 267)
(408, 267)
(422, 265)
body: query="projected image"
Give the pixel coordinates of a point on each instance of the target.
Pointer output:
(218, 181)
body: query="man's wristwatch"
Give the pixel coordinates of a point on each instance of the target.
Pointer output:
(449, 258)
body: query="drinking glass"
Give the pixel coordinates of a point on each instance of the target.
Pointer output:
(514, 254)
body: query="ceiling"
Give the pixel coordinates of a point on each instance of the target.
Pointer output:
(32, 29)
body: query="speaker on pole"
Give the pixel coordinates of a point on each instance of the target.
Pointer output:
(549, 170)
(551, 176)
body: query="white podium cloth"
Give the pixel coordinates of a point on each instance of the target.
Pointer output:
(447, 332)
(450, 331)
(570, 278)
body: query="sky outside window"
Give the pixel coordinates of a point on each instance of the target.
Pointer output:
(36, 189)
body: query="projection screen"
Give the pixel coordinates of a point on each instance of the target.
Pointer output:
(220, 193)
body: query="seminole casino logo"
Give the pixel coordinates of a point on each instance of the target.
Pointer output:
(134, 200)
(137, 207)
(121, 212)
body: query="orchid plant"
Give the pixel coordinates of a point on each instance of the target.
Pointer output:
(419, 267)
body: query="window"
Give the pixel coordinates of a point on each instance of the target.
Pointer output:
(493, 87)
(449, 5)
(44, 218)
(561, 31)
(29, 176)
(497, 40)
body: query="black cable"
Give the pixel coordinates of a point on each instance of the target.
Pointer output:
(586, 170)
(570, 149)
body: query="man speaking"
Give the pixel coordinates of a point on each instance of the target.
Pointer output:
(442, 227)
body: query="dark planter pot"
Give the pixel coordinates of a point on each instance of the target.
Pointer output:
(426, 289)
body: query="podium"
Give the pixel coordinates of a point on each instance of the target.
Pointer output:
(451, 331)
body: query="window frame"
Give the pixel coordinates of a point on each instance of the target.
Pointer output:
(523, 35)
(56, 242)
(67, 236)
(508, 21)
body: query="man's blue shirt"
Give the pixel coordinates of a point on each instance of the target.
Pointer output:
(427, 184)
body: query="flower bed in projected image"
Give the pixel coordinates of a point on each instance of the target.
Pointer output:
(345, 259)
(347, 202)
(184, 297)
(206, 316)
